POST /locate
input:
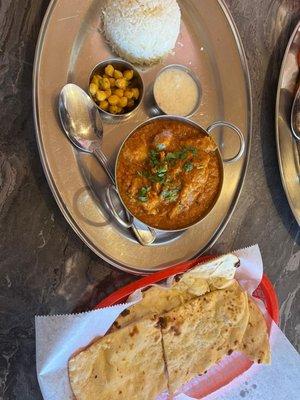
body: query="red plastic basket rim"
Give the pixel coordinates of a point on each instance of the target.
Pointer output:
(121, 295)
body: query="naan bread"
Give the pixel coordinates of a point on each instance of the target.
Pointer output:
(255, 342)
(156, 300)
(212, 275)
(126, 364)
(201, 332)
(202, 317)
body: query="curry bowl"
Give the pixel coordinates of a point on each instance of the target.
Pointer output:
(169, 172)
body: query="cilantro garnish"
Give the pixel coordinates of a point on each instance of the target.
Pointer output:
(170, 195)
(153, 155)
(188, 166)
(180, 154)
(143, 194)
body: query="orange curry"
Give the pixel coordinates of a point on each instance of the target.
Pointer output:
(169, 174)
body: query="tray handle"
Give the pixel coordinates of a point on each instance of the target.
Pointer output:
(238, 132)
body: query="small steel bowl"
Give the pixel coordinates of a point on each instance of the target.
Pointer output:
(121, 65)
(195, 79)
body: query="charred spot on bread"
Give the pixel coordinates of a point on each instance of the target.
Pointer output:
(125, 312)
(162, 322)
(134, 331)
(117, 325)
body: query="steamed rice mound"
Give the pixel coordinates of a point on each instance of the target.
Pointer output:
(141, 31)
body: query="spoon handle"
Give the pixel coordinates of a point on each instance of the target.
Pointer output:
(104, 162)
(145, 235)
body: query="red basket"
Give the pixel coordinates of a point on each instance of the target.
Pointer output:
(265, 291)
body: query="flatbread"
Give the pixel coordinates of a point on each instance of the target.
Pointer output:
(255, 342)
(155, 301)
(126, 364)
(215, 274)
(199, 333)
(181, 331)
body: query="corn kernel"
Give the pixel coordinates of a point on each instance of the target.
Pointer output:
(109, 70)
(136, 93)
(101, 95)
(105, 83)
(108, 92)
(128, 74)
(123, 102)
(96, 79)
(128, 93)
(103, 105)
(113, 100)
(112, 82)
(118, 92)
(121, 83)
(117, 74)
(93, 88)
(113, 109)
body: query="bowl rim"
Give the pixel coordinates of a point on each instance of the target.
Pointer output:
(102, 65)
(221, 165)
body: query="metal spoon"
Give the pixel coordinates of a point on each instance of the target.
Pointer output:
(295, 116)
(83, 126)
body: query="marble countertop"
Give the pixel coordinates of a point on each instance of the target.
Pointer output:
(46, 269)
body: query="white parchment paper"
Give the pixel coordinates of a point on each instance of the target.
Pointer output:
(58, 337)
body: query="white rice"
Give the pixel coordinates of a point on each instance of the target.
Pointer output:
(141, 31)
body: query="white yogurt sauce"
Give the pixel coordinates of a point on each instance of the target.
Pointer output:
(176, 92)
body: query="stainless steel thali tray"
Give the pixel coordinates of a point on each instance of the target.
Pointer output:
(70, 44)
(288, 148)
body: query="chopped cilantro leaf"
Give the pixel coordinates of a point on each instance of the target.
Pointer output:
(153, 155)
(157, 179)
(171, 156)
(188, 166)
(161, 170)
(175, 155)
(180, 154)
(143, 194)
(170, 195)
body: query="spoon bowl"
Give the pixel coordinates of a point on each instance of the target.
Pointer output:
(80, 118)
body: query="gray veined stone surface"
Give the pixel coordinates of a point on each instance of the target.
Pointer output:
(45, 268)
